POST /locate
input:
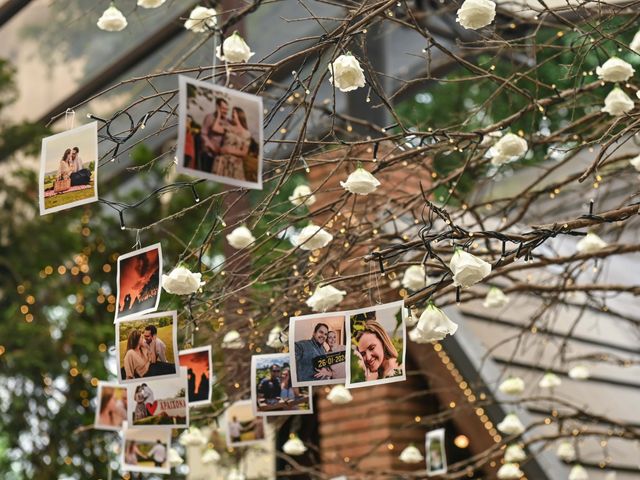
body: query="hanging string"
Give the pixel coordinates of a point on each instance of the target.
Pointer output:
(137, 245)
(69, 119)
(215, 57)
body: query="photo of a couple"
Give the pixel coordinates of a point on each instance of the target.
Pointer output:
(319, 349)
(243, 427)
(147, 346)
(146, 450)
(112, 406)
(220, 134)
(197, 361)
(138, 281)
(272, 391)
(68, 169)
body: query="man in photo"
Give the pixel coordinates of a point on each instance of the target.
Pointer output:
(214, 128)
(307, 350)
(235, 430)
(157, 348)
(435, 457)
(158, 454)
(270, 388)
(79, 175)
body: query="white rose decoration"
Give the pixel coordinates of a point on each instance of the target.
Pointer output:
(346, 73)
(360, 182)
(510, 471)
(174, 458)
(294, 446)
(240, 238)
(635, 43)
(234, 474)
(549, 380)
(615, 70)
(511, 425)
(617, 103)
(495, 298)
(192, 438)
(578, 472)
(590, 243)
(566, 451)
(467, 269)
(579, 372)
(210, 457)
(325, 298)
(274, 340)
(414, 278)
(339, 395)
(150, 3)
(411, 455)
(234, 50)
(232, 340)
(635, 163)
(514, 454)
(512, 386)
(200, 19)
(181, 281)
(302, 196)
(112, 20)
(433, 325)
(313, 237)
(509, 147)
(475, 14)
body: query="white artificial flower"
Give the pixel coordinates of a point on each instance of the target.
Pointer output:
(590, 243)
(302, 196)
(240, 238)
(210, 456)
(313, 237)
(294, 446)
(578, 472)
(635, 43)
(509, 147)
(615, 70)
(566, 451)
(274, 340)
(490, 138)
(579, 372)
(112, 20)
(511, 425)
(414, 278)
(325, 298)
(181, 281)
(411, 455)
(200, 19)
(617, 103)
(514, 454)
(192, 438)
(467, 269)
(433, 325)
(495, 298)
(232, 340)
(549, 380)
(475, 14)
(512, 386)
(174, 458)
(346, 73)
(234, 50)
(510, 471)
(635, 162)
(235, 474)
(339, 395)
(360, 182)
(150, 3)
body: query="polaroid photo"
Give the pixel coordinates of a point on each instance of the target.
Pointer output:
(435, 452)
(138, 282)
(272, 392)
(111, 409)
(147, 347)
(318, 346)
(69, 169)
(199, 374)
(220, 134)
(146, 450)
(243, 427)
(159, 403)
(377, 336)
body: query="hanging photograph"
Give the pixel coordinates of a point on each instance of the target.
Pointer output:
(69, 169)
(146, 450)
(147, 347)
(243, 427)
(197, 361)
(272, 392)
(111, 410)
(317, 346)
(436, 455)
(220, 134)
(138, 282)
(377, 338)
(159, 403)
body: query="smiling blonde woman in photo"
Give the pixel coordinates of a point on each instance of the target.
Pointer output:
(376, 354)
